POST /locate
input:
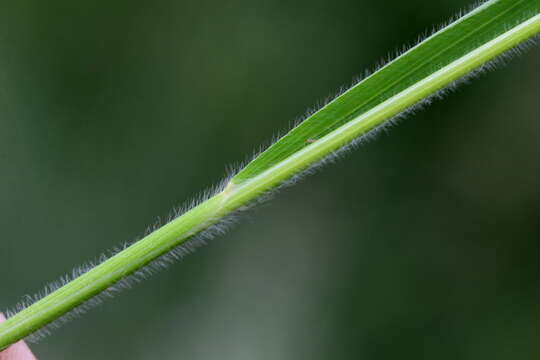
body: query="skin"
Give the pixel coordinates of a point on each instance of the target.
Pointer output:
(18, 351)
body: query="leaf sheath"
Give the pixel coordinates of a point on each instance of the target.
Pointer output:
(450, 54)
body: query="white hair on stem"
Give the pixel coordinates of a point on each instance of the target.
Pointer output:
(225, 223)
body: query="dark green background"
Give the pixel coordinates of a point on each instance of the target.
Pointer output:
(421, 245)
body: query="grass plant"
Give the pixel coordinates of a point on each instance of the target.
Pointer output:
(477, 41)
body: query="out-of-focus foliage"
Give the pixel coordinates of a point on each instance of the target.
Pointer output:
(104, 104)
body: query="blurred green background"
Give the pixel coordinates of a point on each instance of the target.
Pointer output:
(420, 245)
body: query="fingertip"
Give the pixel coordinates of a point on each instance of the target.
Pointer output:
(18, 351)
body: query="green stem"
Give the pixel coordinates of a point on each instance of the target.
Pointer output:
(240, 192)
